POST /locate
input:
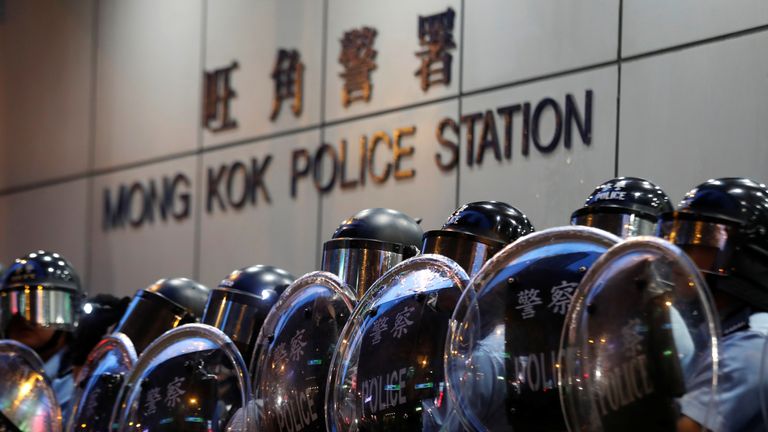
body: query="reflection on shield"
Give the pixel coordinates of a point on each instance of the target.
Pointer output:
(387, 373)
(502, 357)
(99, 382)
(641, 330)
(294, 351)
(27, 401)
(191, 379)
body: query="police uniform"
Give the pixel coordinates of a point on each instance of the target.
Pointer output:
(738, 406)
(723, 226)
(58, 369)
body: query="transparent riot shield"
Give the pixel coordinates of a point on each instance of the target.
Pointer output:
(99, 382)
(191, 379)
(640, 342)
(501, 357)
(27, 401)
(387, 372)
(294, 350)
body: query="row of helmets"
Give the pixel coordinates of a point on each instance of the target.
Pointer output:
(483, 324)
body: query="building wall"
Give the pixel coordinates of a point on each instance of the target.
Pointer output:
(95, 95)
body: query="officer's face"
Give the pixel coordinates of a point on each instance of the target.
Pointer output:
(28, 333)
(705, 258)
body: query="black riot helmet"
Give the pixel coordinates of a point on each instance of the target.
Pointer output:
(723, 225)
(368, 244)
(99, 314)
(475, 232)
(44, 289)
(624, 206)
(241, 302)
(162, 306)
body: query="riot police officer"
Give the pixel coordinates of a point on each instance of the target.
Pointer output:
(624, 206)
(170, 302)
(40, 301)
(388, 375)
(312, 312)
(723, 226)
(100, 313)
(164, 305)
(368, 244)
(241, 302)
(475, 232)
(205, 362)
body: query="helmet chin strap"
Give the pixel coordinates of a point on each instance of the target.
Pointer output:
(748, 280)
(742, 293)
(47, 348)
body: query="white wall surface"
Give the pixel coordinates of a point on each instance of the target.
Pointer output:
(658, 24)
(429, 194)
(52, 217)
(513, 40)
(547, 186)
(396, 24)
(46, 78)
(707, 119)
(126, 259)
(251, 32)
(95, 94)
(282, 232)
(148, 85)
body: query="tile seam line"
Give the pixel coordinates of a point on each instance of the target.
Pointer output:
(95, 173)
(260, 138)
(697, 43)
(317, 259)
(198, 210)
(460, 106)
(93, 115)
(616, 158)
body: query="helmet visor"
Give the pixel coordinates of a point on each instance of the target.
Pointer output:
(239, 315)
(709, 244)
(360, 262)
(136, 322)
(469, 251)
(621, 224)
(41, 305)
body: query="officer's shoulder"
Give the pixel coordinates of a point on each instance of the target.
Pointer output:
(743, 350)
(758, 323)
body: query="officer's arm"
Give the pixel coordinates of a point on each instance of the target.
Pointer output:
(686, 424)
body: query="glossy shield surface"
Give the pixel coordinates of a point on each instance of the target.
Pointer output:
(641, 333)
(294, 351)
(135, 324)
(99, 382)
(504, 335)
(387, 372)
(27, 401)
(192, 378)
